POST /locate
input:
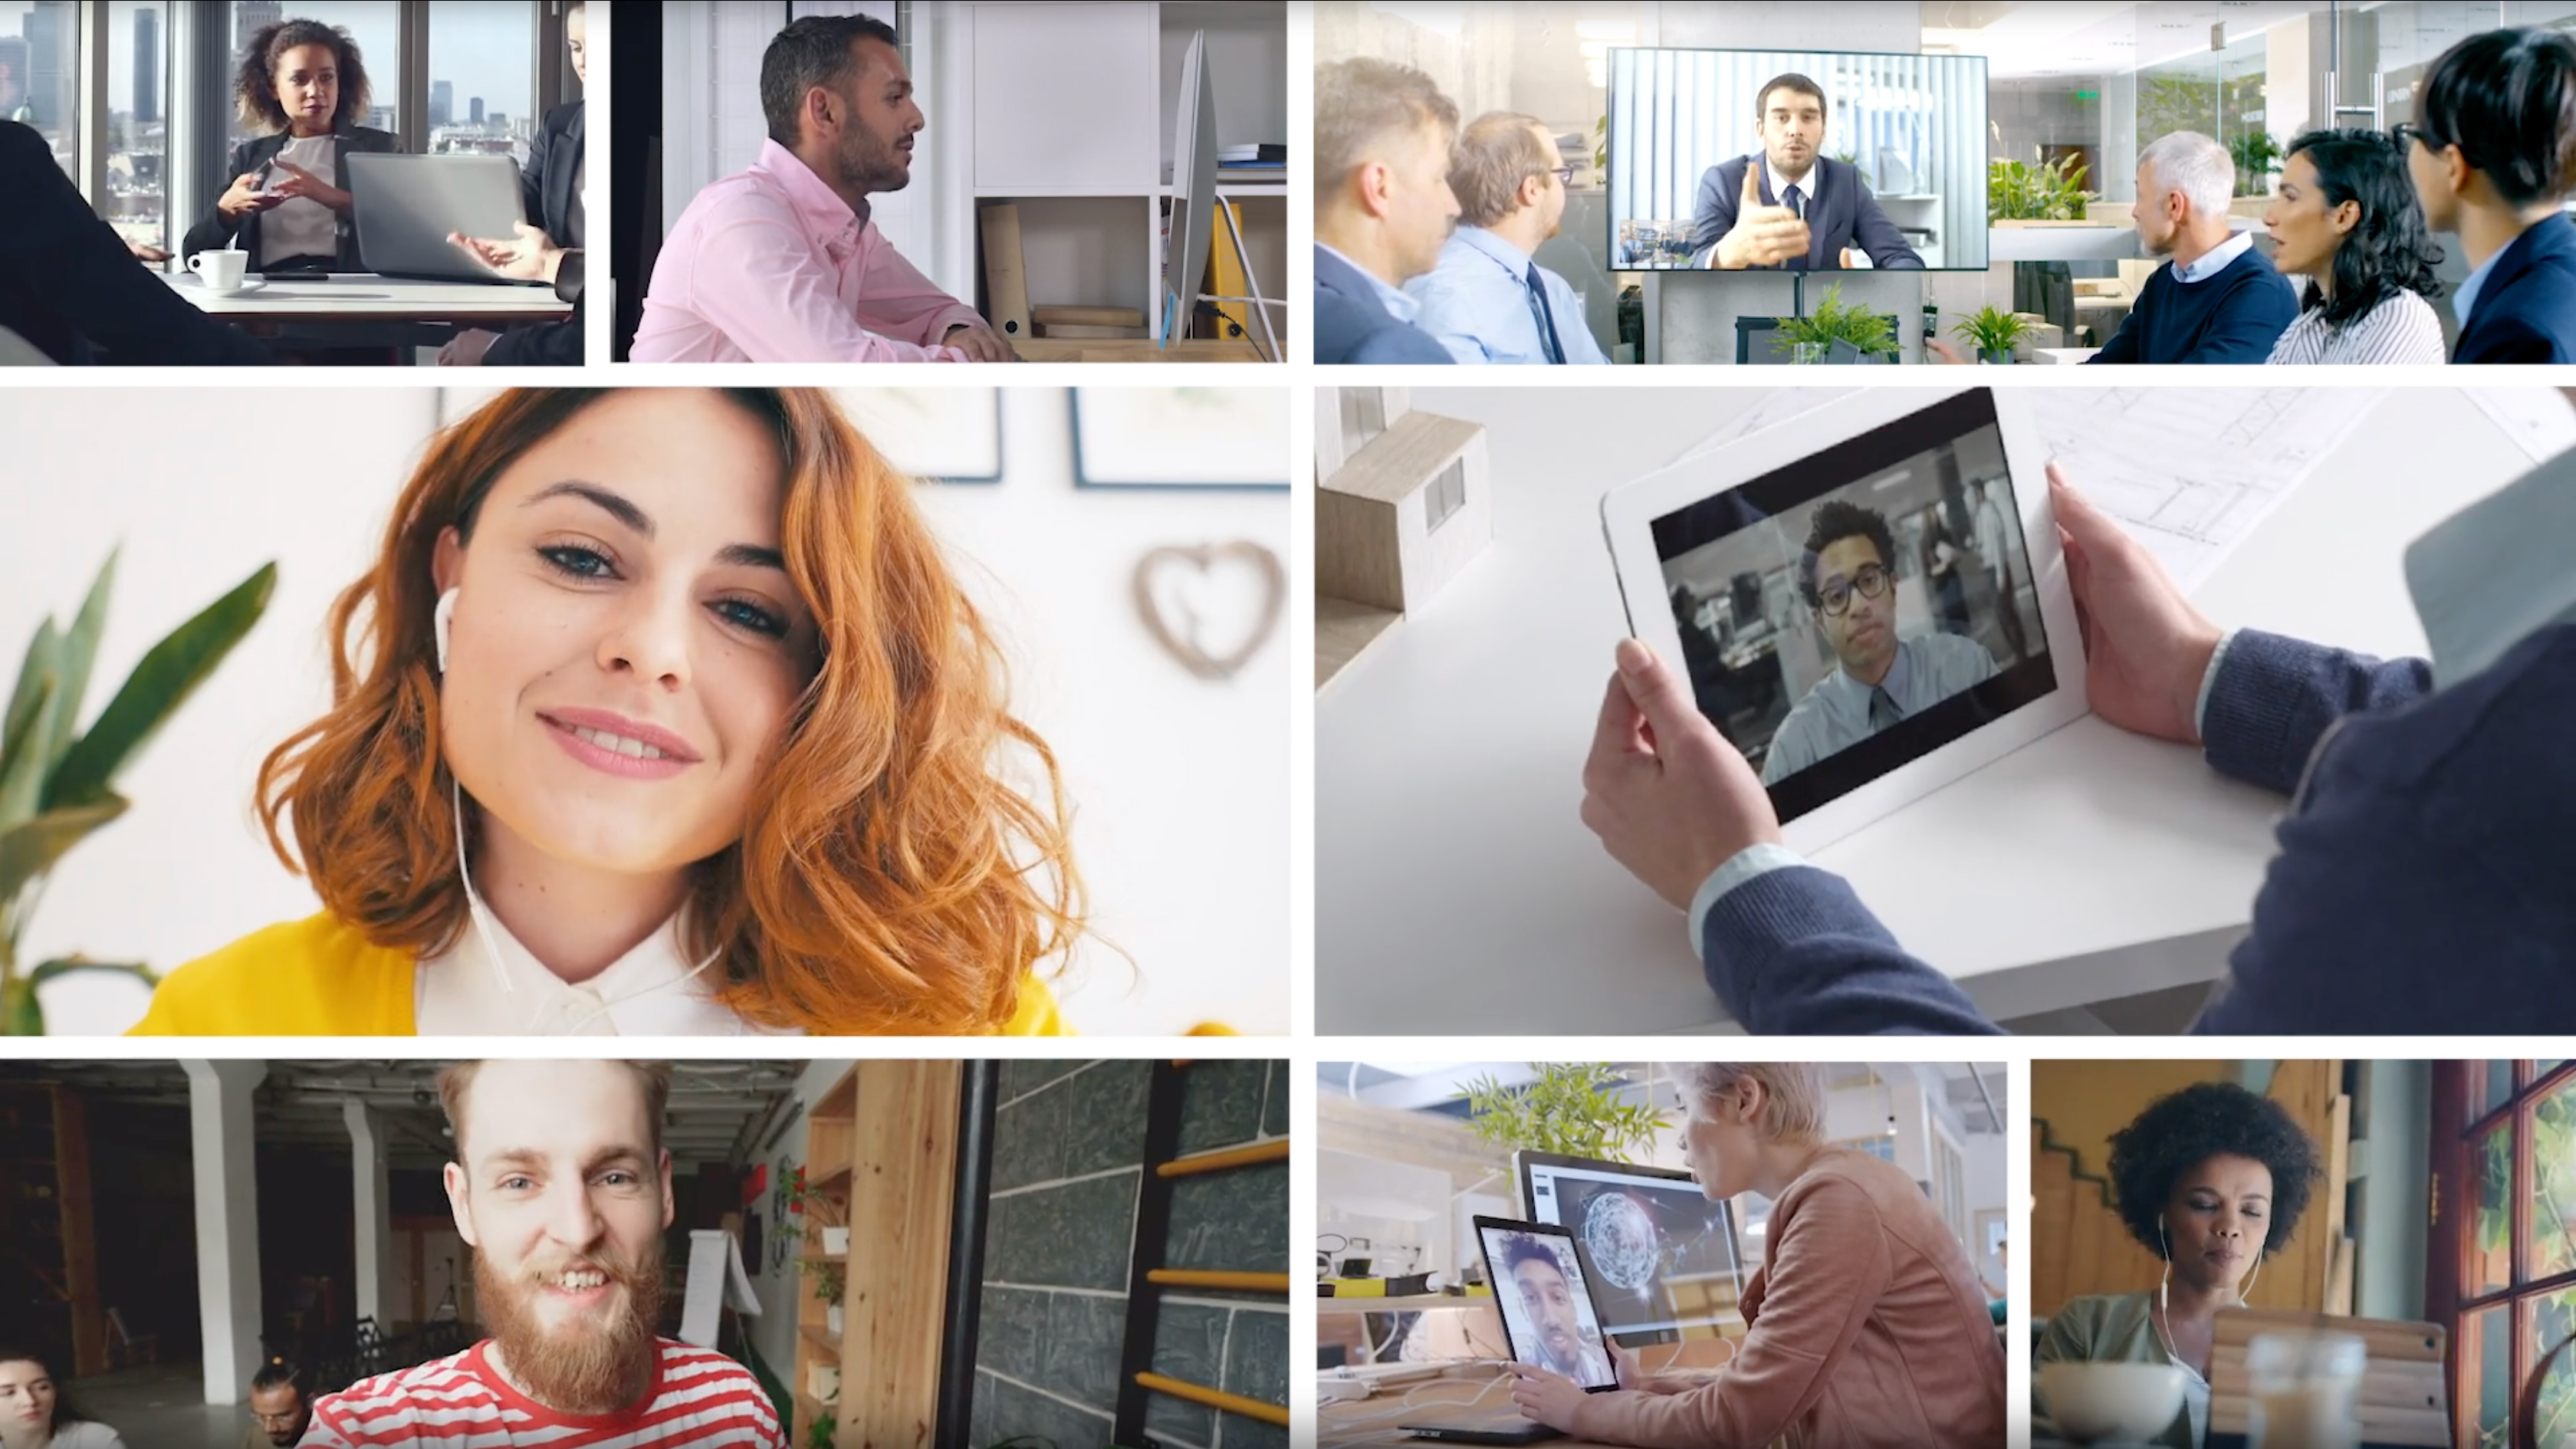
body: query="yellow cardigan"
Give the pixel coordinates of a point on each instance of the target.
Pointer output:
(321, 976)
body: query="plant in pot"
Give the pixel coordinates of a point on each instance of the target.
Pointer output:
(818, 1215)
(1994, 332)
(1571, 1109)
(55, 780)
(2023, 191)
(1808, 339)
(831, 1286)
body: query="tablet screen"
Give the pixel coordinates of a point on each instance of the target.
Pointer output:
(1862, 607)
(1547, 1308)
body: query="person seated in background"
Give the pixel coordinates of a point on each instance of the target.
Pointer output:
(2219, 301)
(280, 1409)
(2211, 1179)
(305, 85)
(2492, 152)
(1790, 205)
(1847, 575)
(34, 1412)
(1864, 1326)
(550, 195)
(2421, 880)
(69, 285)
(782, 263)
(1489, 300)
(2346, 219)
(1383, 137)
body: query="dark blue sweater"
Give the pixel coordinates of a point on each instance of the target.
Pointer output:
(2235, 316)
(2426, 881)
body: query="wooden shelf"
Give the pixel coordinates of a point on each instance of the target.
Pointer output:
(1417, 1303)
(823, 1340)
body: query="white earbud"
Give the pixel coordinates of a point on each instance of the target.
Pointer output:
(442, 619)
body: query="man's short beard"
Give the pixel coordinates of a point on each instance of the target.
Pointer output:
(870, 168)
(592, 1370)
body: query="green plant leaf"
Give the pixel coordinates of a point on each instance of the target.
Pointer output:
(30, 848)
(22, 745)
(20, 1013)
(169, 673)
(75, 965)
(79, 653)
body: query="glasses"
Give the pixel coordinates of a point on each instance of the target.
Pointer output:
(1835, 599)
(1565, 175)
(2406, 133)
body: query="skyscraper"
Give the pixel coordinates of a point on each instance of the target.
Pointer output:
(13, 75)
(147, 67)
(250, 17)
(475, 110)
(442, 104)
(51, 27)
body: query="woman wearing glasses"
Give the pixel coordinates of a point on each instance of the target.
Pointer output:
(2347, 220)
(2493, 157)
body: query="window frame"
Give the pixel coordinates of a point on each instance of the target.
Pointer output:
(2461, 1122)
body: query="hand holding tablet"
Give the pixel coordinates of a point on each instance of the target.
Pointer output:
(1669, 797)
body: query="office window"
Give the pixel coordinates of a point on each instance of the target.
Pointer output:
(1448, 495)
(2504, 1243)
(133, 194)
(482, 78)
(374, 25)
(40, 72)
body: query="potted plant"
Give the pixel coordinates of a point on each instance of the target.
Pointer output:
(1809, 338)
(818, 1212)
(831, 1287)
(2022, 192)
(2257, 156)
(1570, 1109)
(55, 781)
(1994, 332)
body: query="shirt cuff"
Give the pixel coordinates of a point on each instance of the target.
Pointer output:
(1747, 864)
(2209, 678)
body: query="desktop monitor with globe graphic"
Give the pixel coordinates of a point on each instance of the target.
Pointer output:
(1662, 1258)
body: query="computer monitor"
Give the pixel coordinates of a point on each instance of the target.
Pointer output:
(1661, 1257)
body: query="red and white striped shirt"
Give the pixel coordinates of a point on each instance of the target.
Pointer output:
(699, 1399)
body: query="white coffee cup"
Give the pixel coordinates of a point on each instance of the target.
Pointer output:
(221, 271)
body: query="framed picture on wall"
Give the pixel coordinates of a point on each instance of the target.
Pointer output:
(936, 434)
(1180, 437)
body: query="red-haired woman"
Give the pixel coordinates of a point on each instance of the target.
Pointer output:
(659, 714)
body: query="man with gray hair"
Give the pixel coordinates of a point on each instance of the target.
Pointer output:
(2220, 301)
(1383, 134)
(1489, 300)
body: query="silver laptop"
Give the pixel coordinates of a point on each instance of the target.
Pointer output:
(404, 207)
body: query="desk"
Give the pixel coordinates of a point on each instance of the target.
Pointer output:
(2063, 356)
(1135, 349)
(363, 297)
(1372, 1422)
(1457, 892)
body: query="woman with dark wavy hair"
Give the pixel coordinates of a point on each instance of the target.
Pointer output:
(2346, 218)
(2211, 1179)
(303, 84)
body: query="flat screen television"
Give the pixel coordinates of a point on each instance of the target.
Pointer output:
(1913, 128)
(1661, 1257)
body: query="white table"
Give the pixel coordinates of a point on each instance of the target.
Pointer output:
(364, 297)
(2063, 356)
(1456, 891)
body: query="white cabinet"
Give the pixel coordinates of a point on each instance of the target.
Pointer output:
(1066, 100)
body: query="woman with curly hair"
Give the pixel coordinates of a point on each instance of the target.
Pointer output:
(304, 86)
(2211, 1179)
(659, 713)
(2346, 219)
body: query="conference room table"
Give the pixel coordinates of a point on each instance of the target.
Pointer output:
(365, 300)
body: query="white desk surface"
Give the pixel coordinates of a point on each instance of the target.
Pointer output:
(2063, 356)
(366, 297)
(1457, 891)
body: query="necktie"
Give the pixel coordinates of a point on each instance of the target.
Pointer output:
(1882, 710)
(1545, 317)
(1797, 207)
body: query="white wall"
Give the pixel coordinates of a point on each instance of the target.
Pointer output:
(1179, 785)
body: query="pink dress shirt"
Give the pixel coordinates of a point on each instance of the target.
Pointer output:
(771, 265)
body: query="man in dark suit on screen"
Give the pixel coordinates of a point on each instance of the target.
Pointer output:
(1792, 206)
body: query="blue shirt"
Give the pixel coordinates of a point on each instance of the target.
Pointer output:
(1477, 302)
(1834, 716)
(2465, 300)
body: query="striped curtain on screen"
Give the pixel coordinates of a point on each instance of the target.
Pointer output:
(1676, 113)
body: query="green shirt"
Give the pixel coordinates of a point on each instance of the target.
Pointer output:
(2116, 1328)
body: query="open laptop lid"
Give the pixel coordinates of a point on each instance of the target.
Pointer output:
(404, 207)
(1549, 1317)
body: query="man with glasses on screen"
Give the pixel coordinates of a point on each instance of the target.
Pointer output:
(1790, 205)
(1848, 577)
(1547, 1297)
(1489, 300)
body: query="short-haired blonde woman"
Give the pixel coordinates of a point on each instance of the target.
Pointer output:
(1865, 1323)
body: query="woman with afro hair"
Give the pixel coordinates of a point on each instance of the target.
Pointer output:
(2211, 1179)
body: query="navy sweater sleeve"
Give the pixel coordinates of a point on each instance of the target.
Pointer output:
(2275, 697)
(2258, 308)
(1793, 952)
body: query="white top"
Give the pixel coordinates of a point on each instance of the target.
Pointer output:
(2402, 328)
(85, 1435)
(302, 228)
(652, 990)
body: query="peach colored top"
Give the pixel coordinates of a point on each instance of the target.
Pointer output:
(1867, 1329)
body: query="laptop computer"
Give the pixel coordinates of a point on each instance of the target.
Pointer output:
(1550, 1321)
(404, 207)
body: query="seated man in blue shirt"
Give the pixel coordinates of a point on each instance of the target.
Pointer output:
(1383, 133)
(1489, 300)
(2422, 881)
(2220, 301)
(1849, 581)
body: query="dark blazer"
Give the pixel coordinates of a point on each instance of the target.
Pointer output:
(1841, 214)
(218, 230)
(547, 193)
(2526, 309)
(68, 284)
(1352, 325)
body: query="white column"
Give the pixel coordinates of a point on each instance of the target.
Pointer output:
(373, 1208)
(228, 1306)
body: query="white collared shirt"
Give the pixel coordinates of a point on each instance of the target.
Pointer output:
(649, 991)
(2215, 260)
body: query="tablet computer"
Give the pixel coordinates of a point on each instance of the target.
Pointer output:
(1868, 600)
(1550, 1319)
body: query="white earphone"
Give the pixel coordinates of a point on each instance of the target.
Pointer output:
(441, 620)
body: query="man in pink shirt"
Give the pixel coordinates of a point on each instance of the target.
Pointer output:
(780, 263)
